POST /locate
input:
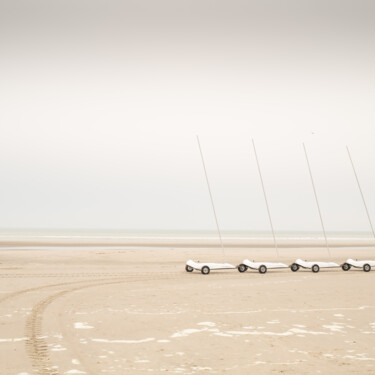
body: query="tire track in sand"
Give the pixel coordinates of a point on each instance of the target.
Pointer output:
(78, 274)
(37, 288)
(36, 345)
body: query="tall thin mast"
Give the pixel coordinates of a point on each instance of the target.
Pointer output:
(265, 198)
(212, 201)
(317, 203)
(360, 190)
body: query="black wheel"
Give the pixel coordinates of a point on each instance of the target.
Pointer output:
(262, 269)
(294, 267)
(346, 267)
(315, 268)
(205, 270)
(242, 268)
(366, 267)
(189, 269)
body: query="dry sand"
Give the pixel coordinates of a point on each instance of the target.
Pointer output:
(138, 312)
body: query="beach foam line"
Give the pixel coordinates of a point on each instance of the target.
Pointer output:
(127, 311)
(124, 341)
(16, 339)
(290, 332)
(187, 332)
(289, 310)
(208, 324)
(82, 325)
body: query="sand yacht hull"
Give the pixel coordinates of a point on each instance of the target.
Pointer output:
(261, 267)
(366, 265)
(314, 266)
(207, 267)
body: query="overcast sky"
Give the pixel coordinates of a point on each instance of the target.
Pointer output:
(100, 103)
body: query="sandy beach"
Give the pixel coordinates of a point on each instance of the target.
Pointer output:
(140, 139)
(118, 311)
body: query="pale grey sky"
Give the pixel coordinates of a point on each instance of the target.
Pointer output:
(100, 102)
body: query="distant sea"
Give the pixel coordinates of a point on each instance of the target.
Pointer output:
(178, 234)
(119, 238)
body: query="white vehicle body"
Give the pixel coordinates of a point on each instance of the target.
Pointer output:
(364, 264)
(269, 265)
(211, 266)
(312, 265)
(360, 263)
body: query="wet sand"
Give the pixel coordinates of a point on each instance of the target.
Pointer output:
(115, 311)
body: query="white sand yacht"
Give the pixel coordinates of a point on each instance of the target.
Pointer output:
(206, 267)
(262, 267)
